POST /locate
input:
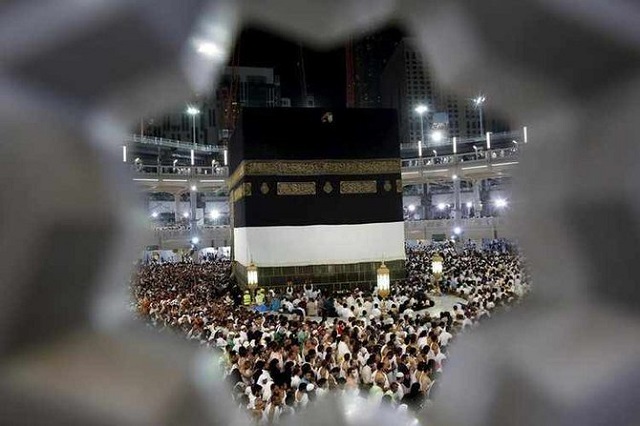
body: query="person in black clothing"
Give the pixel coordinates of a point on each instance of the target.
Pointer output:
(414, 398)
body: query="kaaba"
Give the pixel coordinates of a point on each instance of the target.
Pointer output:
(316, 195)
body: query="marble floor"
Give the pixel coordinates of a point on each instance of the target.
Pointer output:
(443, 303)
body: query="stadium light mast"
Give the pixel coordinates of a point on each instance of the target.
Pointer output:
(479, 102)
(421, 110)
(193, 111)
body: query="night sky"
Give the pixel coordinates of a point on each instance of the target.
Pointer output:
(325, 70)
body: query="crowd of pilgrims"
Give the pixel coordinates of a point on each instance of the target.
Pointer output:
(305, 341)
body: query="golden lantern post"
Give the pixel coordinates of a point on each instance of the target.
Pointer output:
(436, 269)
(384, 285)
(252, 280)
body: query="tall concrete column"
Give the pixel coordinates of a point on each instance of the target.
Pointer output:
(457, 211)
(194, 235)
(485, 196)
(426, 201)
(176, 213)
(477, 201)
(193, 205)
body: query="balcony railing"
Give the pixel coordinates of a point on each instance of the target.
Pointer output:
(480, 158)
(180, 171)
(465, 144)
(465, 161)
(469, 223)
(207, 231)
(172, 143)
(177, 232)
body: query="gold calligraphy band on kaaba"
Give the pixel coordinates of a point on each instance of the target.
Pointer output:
(314, 168)
(241, 191)
(358, 187)
(296, 188)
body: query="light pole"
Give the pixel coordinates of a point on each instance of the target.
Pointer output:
(436, 269)
(437, 136)
(500, 203)
(215, 214)
(194, 249)
(479, 102)
(421, 109)
(384, 285)
(252, 280)
(193, 111)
